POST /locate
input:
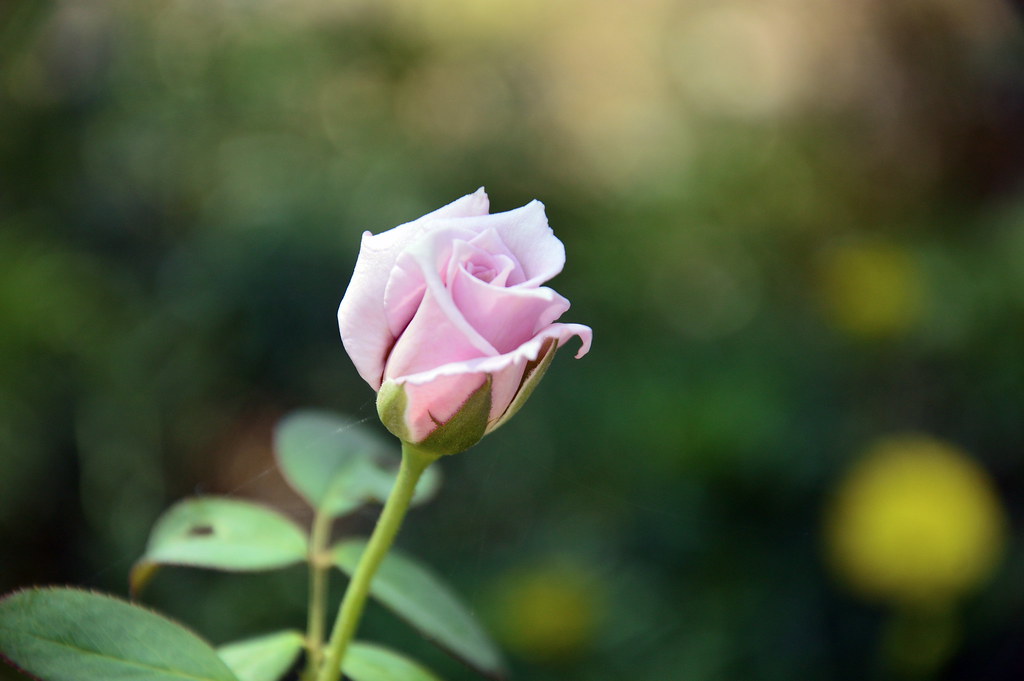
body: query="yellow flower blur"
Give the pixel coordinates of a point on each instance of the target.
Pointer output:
(872, 290)
(916, 521)
(549, 611)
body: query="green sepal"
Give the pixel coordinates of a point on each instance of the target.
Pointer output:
(463, 430)
(391, 405)
(534, 371)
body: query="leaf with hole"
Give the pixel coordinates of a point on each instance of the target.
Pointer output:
(59, 634)
(413, 593)
(221, 534)
(368, 662)
(263, 658)
(338, 465)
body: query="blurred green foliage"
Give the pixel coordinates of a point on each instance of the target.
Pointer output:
(796, 228)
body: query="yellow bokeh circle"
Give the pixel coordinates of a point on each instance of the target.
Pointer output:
(548, 612)
(872, 289)
(915, 521)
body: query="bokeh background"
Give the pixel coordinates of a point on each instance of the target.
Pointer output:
(797, 229)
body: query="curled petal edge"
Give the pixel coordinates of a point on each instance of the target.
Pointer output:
(474, 418)
(528, 351)
(364, 325)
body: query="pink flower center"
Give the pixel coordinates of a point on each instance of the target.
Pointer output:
(490, 268)
(484, 258)
(481, 272)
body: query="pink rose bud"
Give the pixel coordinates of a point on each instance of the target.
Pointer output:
(446, 317)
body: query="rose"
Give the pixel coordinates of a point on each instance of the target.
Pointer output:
(446, 317)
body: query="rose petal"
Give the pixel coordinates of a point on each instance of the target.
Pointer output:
(527, 234)
(469, 206)
(408, 283)
(434, 403)
(438, 334)
(533, 372)
(362, 320)
(439, 392)
(506, 317)
(490, 242)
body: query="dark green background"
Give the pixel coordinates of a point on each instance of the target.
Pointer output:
(182, 189)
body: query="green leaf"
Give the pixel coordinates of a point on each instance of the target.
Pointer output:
(264, 658)
(413, 593)
(367, 662)
(222, 534)
(72, 635)
(338, 465)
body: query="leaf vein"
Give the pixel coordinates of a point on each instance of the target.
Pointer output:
(85, 651)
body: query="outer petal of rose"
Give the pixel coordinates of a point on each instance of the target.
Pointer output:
(435, 395)
(506, 317)
(435, 402)
(438, 332)
(361, 315)
(469, 206)
(527, 234)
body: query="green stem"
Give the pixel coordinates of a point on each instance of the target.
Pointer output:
(414, 462)
(319, 565)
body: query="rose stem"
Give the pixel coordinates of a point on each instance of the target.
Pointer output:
(319, 564)
(414, 462)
